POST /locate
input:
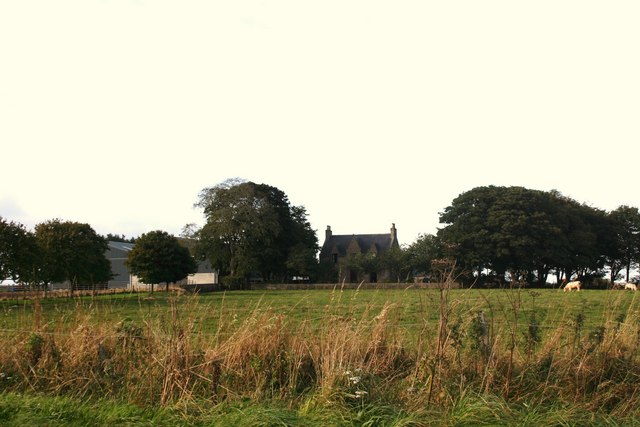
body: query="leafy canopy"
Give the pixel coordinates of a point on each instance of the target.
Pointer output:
(253, 228)
(19, 252)
(72, 251)
(525, 232)
(158, 257)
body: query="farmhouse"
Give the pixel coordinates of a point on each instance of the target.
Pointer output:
(338, 249)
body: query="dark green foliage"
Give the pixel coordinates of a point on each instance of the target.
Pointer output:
(361, 263)
(625, 233)
(395, 260)
(422, 252)
(158, 257)
(527, 233)
(72, 252)
(251, 228)
(19, 252)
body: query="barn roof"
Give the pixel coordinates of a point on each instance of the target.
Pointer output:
(120, 246)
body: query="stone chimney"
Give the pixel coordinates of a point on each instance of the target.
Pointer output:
(394, 234)
(328, 233)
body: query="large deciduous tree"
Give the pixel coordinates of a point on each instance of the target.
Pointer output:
(19, 252)
(524, 232)
(72, 252)
(158, 257)
(253, 228)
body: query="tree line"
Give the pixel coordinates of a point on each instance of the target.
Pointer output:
(55, 252)
(70, 252)
(524, 234)
(490, 234)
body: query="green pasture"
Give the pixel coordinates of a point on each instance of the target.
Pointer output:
(589, 381)
(409, 308)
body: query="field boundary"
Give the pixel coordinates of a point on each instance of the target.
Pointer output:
(386, 285)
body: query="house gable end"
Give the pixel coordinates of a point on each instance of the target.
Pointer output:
(354, 246)
(373, 249)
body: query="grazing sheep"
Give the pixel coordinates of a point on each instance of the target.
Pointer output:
(572, 285)
(625, 285)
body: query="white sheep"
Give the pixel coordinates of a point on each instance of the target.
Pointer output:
(631, 286)
(572, 285)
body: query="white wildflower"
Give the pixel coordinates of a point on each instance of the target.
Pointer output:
(360, 394)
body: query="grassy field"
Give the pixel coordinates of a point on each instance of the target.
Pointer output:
(411, 307)
(322, 357)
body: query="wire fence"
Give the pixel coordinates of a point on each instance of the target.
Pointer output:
(412, 315)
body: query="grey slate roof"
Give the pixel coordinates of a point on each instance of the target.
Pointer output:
(381, 242)
(120, 246)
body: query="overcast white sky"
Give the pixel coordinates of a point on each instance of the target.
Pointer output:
(118, 112)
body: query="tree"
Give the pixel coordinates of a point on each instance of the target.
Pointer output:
(73, 252)
(420, 253)
(355, 265)
(625, 221)
(467, 229)
(524, 232)
(19, 252)
(395, 260)
(299, 243)
(302, 261)
(253, 228)
(159, 257)
(584, 239)
(239, 222)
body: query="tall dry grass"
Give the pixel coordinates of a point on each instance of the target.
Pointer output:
(353, 359)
